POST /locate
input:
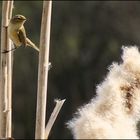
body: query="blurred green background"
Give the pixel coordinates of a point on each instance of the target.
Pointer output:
(86, 37)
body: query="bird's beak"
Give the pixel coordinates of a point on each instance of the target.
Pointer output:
(24, 19)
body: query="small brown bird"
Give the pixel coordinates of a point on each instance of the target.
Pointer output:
(17, 33)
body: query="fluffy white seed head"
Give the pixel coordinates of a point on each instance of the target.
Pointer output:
(115, 111)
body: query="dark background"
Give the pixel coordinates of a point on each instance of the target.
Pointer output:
(86, 37)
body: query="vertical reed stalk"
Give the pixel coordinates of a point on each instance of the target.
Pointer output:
(9, 80)
(5, 73)
(43, 70)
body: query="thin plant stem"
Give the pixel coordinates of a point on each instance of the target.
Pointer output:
(43, 70)
(58, 106)
(5, 74)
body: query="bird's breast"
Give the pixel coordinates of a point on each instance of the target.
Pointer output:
(13, 35)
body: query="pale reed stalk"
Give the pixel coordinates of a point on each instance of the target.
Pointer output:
(43, 70)
(6, 74)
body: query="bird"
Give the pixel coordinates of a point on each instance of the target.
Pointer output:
(17, 33)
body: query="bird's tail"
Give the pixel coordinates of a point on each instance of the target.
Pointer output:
(31, 44)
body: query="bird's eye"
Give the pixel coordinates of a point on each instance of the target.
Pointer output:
(18, 19)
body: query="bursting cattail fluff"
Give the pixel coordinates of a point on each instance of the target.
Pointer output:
(115, 111)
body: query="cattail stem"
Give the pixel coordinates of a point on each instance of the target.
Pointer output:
(43, 70)
(5, 74)
(58, 106)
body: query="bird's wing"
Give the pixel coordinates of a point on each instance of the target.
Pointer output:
(22, 36)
